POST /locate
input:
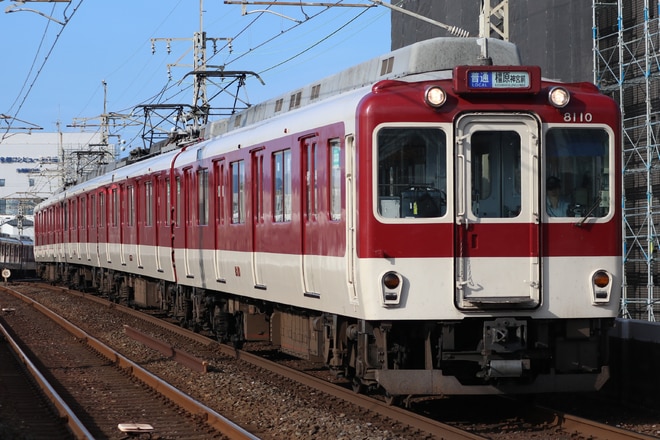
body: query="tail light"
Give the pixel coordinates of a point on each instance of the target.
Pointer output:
(391, 285)
(601, 284)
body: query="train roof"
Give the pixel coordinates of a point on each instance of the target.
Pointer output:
(437, 54)
(422, 60)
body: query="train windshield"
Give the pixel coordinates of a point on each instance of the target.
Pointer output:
(412, 172)
(577, 182)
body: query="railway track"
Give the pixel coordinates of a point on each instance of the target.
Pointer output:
(205, 354)
(112, 396)
(25, 405)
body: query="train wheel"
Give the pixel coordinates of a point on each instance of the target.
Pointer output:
(392, 400)
(357, 385)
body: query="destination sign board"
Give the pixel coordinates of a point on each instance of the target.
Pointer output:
(497, 79)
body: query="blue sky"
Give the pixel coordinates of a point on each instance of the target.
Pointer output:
(52, 73)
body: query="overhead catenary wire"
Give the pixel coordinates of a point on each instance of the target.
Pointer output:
(162, 96)
(41, 67)
(172, 90)
(251, 50)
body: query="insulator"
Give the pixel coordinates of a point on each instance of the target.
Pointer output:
(458, 32)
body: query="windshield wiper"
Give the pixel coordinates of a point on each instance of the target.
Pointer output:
(591, 209)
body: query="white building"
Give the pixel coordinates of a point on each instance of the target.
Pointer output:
(34, 166)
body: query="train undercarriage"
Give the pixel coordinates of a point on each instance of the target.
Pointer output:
(399, 358)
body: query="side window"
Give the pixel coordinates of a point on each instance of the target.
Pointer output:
(177, 220)
(218, 175)
(131, 205)
(148, 203)
(282, 185)
(203, 196)
(311, 183)
(102, 211)
(335, 179)
(115, 207)
(258, 185)
(577, 164)
(93, 220)
(168, 202)
(238, 192)
(65, 211)
(412, 174)
(74, 214)
(83, 212)
(190, 201)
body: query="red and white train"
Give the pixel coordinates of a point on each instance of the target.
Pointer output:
(440, 220)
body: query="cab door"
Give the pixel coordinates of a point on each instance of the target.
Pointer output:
(497, 261)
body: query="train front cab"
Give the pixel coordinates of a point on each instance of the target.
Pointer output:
(497, 291)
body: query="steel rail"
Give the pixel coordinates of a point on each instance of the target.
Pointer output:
(591, 429)
(211, 417)
(72, 421)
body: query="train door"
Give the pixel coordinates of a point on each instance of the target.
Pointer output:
(156, 218)
(130, 227)
(74, 240)
(189, 225)
(104, 226)
(309, 195)
(497, 212)
(146, 232)
(219, 220)
(351, 211)
(84, 227)
(120, 216)
(258, 227)
(94, 231)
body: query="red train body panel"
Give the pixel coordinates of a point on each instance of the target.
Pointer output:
(426, 227)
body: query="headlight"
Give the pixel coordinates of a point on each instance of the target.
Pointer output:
(559, 97)
(435, 96)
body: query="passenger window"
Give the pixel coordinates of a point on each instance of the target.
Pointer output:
(202, 197)
(282, 184)
(148, 201)
(335, 179)
(412, 174)
(577, 182)
(238, 192)
(131, 205)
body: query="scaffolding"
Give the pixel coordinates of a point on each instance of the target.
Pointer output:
(626, 51)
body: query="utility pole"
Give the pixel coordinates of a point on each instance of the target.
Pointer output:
(85, 162)
(200, 107)
(494, 19)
